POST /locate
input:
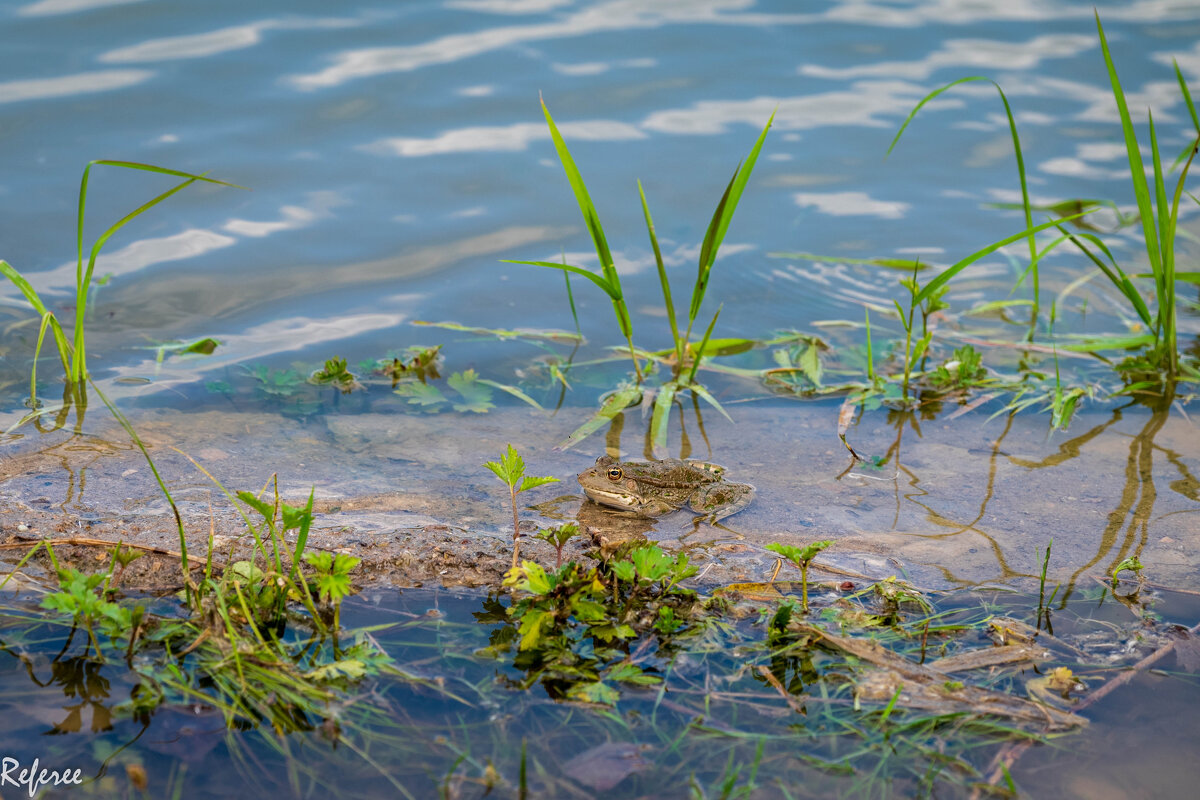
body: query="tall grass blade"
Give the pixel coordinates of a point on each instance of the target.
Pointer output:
(60, 337)
(123, 421)
(592, 220)
(1164, 279)
(959, 266)
(663, 404)
(708, 398)
(663, 281)
(698, 354)
(1136, 167)
(614, 404)
(721, 219)
(599, 280)
(1115, 275)
(83, 279)
(1026, 206)
(1191, 107)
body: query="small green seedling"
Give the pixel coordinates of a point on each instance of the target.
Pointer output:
(1132, 564)
(511, 470)
(332, 578)
(335, 373)
(801, 557)
(558, 537)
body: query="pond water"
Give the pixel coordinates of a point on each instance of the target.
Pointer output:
(395, 153)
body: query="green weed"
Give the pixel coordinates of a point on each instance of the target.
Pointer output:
(510, 469)
(73, 352)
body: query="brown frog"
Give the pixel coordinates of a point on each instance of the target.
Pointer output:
(652, 488)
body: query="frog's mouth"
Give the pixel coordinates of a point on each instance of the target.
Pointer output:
(615, 499)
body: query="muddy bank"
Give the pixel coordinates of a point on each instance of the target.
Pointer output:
(970, 502)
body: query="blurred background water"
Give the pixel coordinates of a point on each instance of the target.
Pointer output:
(396, 152)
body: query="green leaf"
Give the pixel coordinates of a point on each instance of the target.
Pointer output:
(420, 394)
(941, 279)
(905, 264)
(476, 397)
(662, 415)
(595, 692)
(204, 347)
(264, 508)
(514, 391)
(532, 482)
(624, 397)
(534, 622)
(721, 219)
(609, 289)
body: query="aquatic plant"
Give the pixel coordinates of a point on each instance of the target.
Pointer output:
(73, 353)
(1158, 214)
(683, 357)
(510, 469)
(801, 557)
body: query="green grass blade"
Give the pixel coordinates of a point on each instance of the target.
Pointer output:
(698, 355)
(663, 281)
(31, 295)
(514, 391)
(162, 486)
(959, 266)
(1191, 107)
(721, 219)
(84, 280)
(1115, 275)
(662, 416)
(908, 265)
(590, 217)
(1136, 168)
(707, 397)
(1163, 218)
(571, 298)
(611, 291)
(614, 404)
(912, 114)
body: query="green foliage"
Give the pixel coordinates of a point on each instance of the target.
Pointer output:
(73, 354)
(684, 357)
(332, 574)
(961, 371)
(335, 373)
(558, 537)
(1132, 564)
(510, 469)
(801, 557)
(574, 626)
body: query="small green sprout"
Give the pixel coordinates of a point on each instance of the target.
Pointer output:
(1132, 564)
(511, 470)
(335, 372)
(558, 537)
(801, 557)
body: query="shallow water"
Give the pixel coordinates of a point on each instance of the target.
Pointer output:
(396, 153)
(463, 725)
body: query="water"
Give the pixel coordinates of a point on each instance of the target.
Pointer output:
(459, 720)
(395, 153)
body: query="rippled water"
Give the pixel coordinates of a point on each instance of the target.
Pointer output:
(396, 152)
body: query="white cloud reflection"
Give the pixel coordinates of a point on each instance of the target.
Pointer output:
(977, 53)
(850, 204)
(68, 85)
(136, 257)
(198, 45)
(501, 138)
(319, 206)
(46, 8)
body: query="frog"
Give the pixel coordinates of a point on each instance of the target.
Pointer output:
(654, 488)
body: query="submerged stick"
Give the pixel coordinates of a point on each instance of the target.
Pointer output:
(1004, 760)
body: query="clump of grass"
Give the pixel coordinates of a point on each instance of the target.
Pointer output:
(1158, 214)
(684, 356)
(73, 351)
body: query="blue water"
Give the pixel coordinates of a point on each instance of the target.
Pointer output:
(396, 152)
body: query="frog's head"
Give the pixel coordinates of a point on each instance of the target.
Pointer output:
(608, 484)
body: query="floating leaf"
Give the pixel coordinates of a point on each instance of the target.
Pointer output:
(621, 399)
(476, 397)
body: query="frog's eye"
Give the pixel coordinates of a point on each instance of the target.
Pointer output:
(615, 474)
